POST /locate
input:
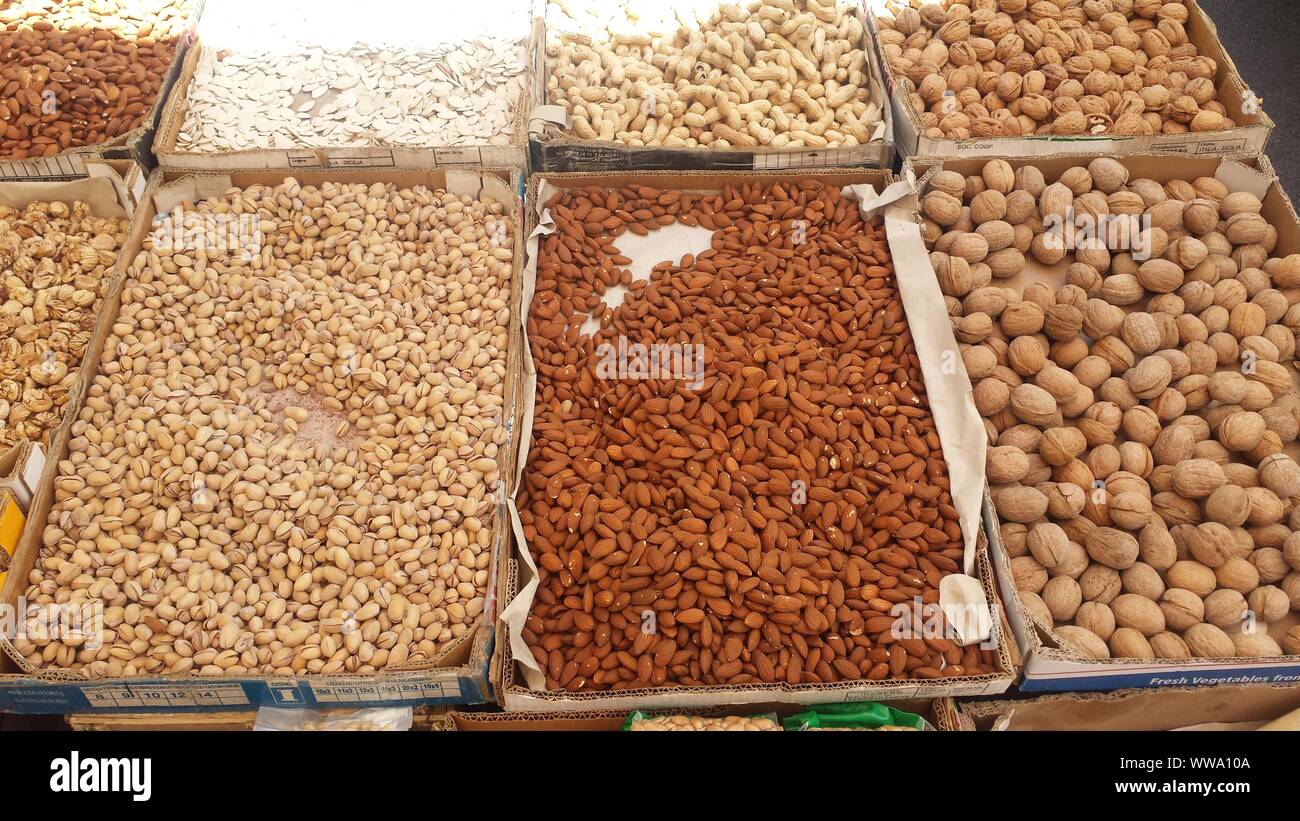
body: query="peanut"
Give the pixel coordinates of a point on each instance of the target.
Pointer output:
(783, 75)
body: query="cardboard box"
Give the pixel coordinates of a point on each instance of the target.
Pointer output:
(1248, 139)
(135, 146)
(103, 185)
(932, 710)
(1179, 708)
(460, 677)
(551, 148)
(20, 471)
(1047, 666)
(423, 718)
(519, 570)
(169, 156)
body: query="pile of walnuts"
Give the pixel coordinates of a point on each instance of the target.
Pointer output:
(1012, 68)
(1140, 409)
(56, 263)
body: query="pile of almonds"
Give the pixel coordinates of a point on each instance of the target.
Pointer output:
(82, 72)
(759, 526)
(286, 463)
(55, 267)
(1012, 68)
(1140, 414)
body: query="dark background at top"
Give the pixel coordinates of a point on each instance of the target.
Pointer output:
(1263, 39)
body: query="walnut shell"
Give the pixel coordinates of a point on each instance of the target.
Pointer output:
(1083, 642)
(1169, 646)
(1028, 574)
(1128, 643)
(1138, 612)
(1225, 608)
(1191, 575)
(1019, 504)
(1112, 548)
(1255, 645)
(1182, 608)
(1197, 478)
(1209, 642)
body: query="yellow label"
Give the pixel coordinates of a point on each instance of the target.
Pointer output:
(11, 527)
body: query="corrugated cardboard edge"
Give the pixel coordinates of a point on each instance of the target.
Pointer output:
(423, 718)
(470, 657)
(1244, 141)
(1195, 704)
(1046, 666)
(611, 720)
(549, 142)
(514, 155)
(519, 574)
(135, 145)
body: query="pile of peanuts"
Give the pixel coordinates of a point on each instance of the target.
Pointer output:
(696, 723)
(784, 74)
(759, 526)
(287, 461)
(55, 267)
(82, 72)
(1142, 416)
(1011, 68)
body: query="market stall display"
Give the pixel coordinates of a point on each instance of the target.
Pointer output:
(288, 86)
(691, 84)
(85, 77)
(1131, 342)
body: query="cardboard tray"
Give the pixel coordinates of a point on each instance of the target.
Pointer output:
(99, 180)
(514, 694)
(934, 711)
(1248, 139)
(423, 718)
(1201, 708)
(1048, 667)
(135, 146)
(551, 148)
(170, 157)
(460, 677)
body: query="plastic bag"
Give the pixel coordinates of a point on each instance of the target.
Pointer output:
(860, 715)
(640, 721)
(367, 719)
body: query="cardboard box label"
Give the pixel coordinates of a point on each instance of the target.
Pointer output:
(457, 156)
(1264, 674)
(20, 694)
(61, 166)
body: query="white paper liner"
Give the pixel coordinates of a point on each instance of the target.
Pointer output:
(103, 192)
(961, 433)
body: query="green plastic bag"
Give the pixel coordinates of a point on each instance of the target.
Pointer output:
(861, 715)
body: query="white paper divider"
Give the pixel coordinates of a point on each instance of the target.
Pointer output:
(961, 432)
(516, 613)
